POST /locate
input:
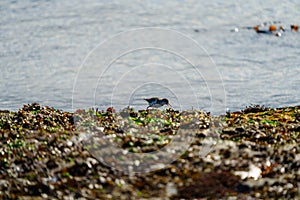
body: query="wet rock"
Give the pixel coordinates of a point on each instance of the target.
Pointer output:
(252, 153)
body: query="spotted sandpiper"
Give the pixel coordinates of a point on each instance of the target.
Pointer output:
(156, 102)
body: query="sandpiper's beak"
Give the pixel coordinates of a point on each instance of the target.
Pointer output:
(169, 105)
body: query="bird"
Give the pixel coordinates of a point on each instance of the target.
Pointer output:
(156, 102)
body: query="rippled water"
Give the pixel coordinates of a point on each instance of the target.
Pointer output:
(44, 43)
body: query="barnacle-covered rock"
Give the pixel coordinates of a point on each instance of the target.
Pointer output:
(45, 153)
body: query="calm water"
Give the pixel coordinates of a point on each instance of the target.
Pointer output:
(44, 43)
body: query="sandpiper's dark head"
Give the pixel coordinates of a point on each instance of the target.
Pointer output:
(165, 101)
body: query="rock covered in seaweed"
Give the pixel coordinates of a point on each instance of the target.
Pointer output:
(255, 154)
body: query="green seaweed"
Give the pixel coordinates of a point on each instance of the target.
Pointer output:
(271, 122)
(17, 143)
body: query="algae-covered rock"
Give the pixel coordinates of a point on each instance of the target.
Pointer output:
(48, 153)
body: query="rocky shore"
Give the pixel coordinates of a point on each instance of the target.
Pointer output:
(50, 154)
